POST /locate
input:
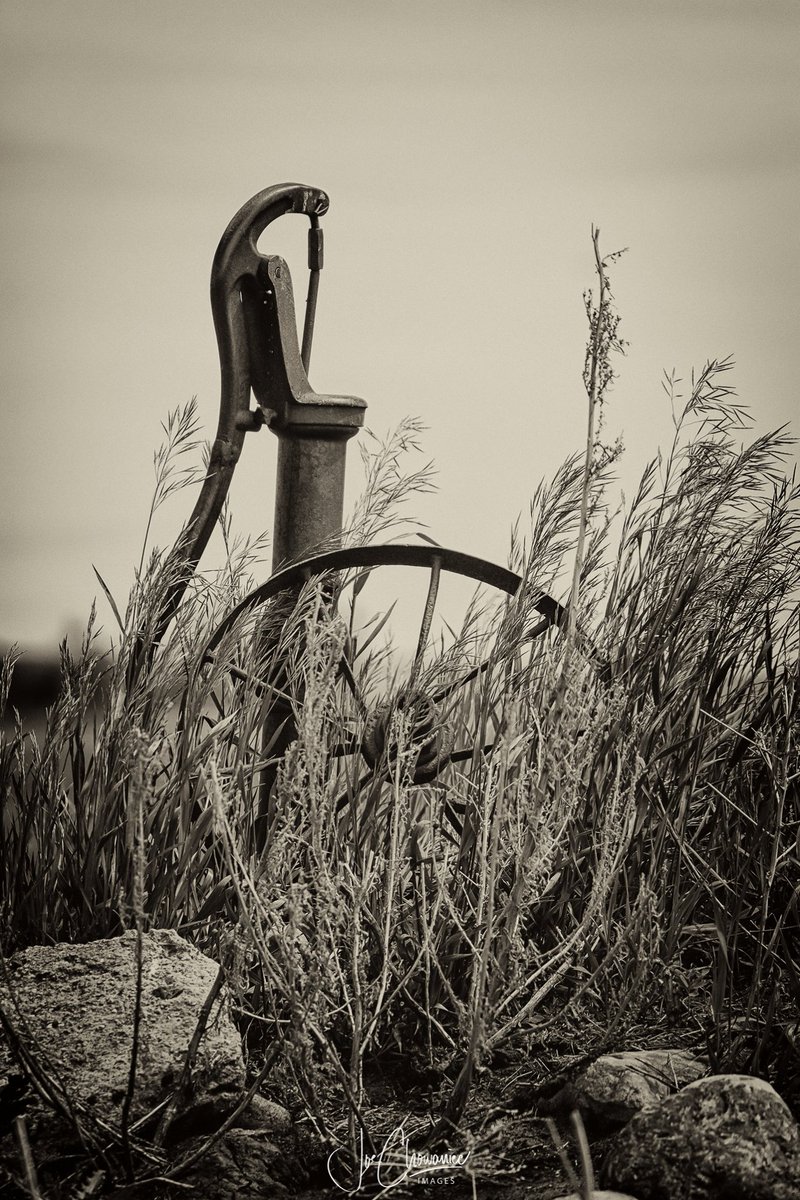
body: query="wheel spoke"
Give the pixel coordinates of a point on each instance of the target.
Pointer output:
(464, 755)
(257, 682)
(446, 692)
(427, 619)
(528, 636)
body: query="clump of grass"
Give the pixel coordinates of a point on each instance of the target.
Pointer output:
(621, 828)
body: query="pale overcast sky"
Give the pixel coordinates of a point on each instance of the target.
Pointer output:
(467, 149)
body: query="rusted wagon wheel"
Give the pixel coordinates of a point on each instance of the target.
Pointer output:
(412, 716)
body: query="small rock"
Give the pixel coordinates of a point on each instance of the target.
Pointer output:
(266, 1115)
(78, 1002)
(615, 1087)
(241, 1165)
(728, 1135)
(205, 1116)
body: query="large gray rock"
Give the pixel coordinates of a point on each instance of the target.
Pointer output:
(77, 1002)
(615, 1087)
(726, 1136)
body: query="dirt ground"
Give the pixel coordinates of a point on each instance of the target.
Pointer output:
(511, 1151)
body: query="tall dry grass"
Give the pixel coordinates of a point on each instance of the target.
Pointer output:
(620, 833)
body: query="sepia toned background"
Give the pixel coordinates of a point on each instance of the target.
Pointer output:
(467, 149)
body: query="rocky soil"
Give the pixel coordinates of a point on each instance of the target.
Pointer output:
(660, 1126)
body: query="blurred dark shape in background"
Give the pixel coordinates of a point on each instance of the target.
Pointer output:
(35, 683)
(37, 675)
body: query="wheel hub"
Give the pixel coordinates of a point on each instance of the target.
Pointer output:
(410, 724)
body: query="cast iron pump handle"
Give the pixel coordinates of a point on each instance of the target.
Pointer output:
(254, 320)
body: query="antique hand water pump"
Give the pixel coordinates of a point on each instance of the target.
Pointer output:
(254, 319)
